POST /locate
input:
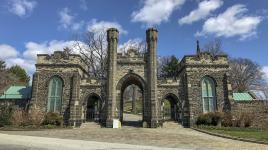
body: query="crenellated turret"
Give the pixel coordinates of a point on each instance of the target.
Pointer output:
(112, 39)
(151, 38)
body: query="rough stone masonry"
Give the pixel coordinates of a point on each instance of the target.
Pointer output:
(79, 89)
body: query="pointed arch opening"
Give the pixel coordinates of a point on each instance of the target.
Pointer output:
(92, 107)
(55, 94)
(126, 117)
(170, 107)
(209, 94)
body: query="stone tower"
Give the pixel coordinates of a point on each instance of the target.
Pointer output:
(112, 39)
(151, 39)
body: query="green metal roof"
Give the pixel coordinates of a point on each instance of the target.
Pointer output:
(242, 97)
(17, 92)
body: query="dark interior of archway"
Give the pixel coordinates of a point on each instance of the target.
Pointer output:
(170, 108)
(130, 118)
(92, 109)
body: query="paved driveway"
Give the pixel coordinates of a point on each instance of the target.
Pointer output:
(83, 138)
(19, 142)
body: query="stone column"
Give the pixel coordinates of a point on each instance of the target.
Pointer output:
(75, 105)
(134, 96)
(34, 103)
(112, 39)
(151, 38)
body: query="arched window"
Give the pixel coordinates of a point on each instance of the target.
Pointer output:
(54, 95)
(208, 95)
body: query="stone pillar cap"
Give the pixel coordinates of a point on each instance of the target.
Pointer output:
(151, 29)
(112, 29)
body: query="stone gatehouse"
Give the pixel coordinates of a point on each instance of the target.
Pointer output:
(62, 84)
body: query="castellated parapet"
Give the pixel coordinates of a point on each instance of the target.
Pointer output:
(61, 61)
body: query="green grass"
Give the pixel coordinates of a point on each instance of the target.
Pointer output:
(247, 133)
(128, 107)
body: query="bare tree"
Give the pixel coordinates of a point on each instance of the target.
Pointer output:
(93, 50)
(214, 47)
(245, 74)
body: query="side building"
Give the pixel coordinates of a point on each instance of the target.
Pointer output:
(56, 85)
(204, 85)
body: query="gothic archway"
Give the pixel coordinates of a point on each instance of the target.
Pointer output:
(171, 108)
(128, 80)
(92, 107)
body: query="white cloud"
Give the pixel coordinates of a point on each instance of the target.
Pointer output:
(156, 11)
(67, 20)
(7, 51)
(32, 48)
(21, 8)
(27, 64)
(204, 10)
(130, 44)
(265, 71)
(98, 26)
(233, 22)
(27, 58)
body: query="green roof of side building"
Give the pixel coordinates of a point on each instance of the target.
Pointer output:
(242, 97)
(17, 92)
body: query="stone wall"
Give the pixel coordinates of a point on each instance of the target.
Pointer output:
(258, 109)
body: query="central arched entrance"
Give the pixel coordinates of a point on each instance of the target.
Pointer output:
(131, 118)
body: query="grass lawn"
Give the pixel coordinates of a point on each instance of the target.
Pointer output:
(247, 133)
(128, 107)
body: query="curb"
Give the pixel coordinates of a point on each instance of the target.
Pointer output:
(17, 129)
(230, 137)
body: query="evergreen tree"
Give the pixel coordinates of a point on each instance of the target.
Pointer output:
(170, 69)
(20, 73)
(2, 65)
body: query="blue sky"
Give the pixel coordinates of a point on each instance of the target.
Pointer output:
(29, 27)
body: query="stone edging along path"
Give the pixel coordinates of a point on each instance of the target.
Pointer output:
(230, 137)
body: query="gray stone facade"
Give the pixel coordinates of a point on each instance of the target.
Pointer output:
(124, 70)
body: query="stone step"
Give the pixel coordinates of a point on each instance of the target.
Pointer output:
(88, 125)
(171, 125)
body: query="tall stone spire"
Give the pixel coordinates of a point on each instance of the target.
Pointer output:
(112, 39)
(197, 47)
(151, 38)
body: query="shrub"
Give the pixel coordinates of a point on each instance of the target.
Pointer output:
(237, 119)
(243, 119)
(53, 119)
(248, 119)
(19, 118)
(227, 120)
(49, 126)
(203, 119)
(5, 115)
(216, 118)
(211, 118)
(36, 117)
